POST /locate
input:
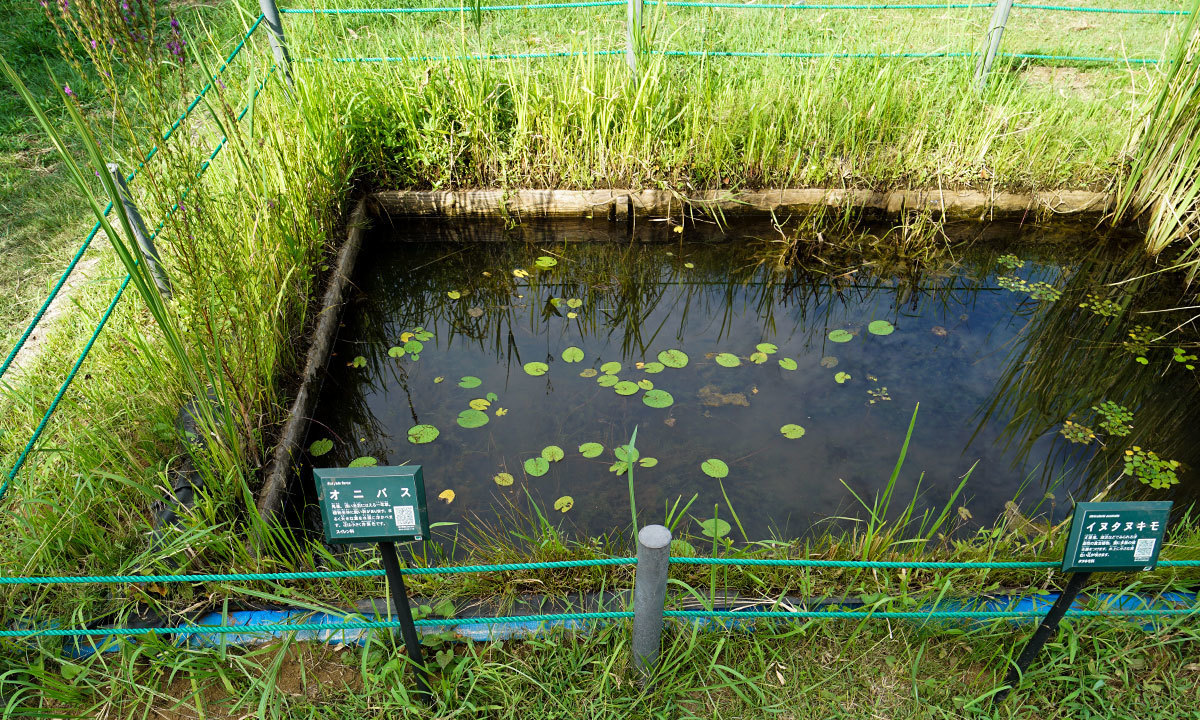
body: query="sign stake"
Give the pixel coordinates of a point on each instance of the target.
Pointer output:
(1044, 632)
(391, 566)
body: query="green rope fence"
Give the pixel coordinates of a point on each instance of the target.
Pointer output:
(724, 5)
(897, 564)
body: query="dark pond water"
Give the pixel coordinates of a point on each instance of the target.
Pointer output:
(995, 361)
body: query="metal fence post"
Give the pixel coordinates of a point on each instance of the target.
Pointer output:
(995, 32)
(650, 595)
(149, 253)
(633, 33)
(278, 44)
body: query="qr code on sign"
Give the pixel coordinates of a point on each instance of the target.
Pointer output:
(405, 518)
(1143, 550)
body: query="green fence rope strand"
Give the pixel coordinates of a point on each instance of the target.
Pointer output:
(896, 564)
(445, 58)
(882, 56)
(300, 627)
(1119, 11)
(41, 312)
(827, 6)
(924, 615)
(482, 8)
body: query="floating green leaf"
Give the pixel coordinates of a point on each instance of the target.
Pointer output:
(396, 351)
(689, 266)
(658, 398)
(841, 377)
(414, 356)
(714, 528)
(574, 303)
(572, 354)
(648, 462)
(536, 368)
(472, 418)
(881, 327)
(537, 466)
(618, 467)
(841, 336)
(591, 449)
(645, 384)
(469, 381)
(438, 379)
(714, 468)
(653, 367)
(359, 361)
(492, 397)
(607, 380)
(453, 294)
(791, 431)
(503, 479)
(545, 261)
(626, 453)
(413, 347)
(555, 301)
(363, 462)
(553, 453)
(625, 387)
(758, 358)
(611, 368)
(320, 447)
(588, 372)
(421, 434)
(564, 503)
(787, 363)
(728, 360)
(766, 347)
(673, 358)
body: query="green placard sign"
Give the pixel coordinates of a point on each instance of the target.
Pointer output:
(373, 504)
(1116, 536)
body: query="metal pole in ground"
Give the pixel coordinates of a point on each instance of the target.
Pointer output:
(995, 32)
(391, 567)
(633, 33)
(1043, 632)
(650, 595)
(149, 253)
(279, 48)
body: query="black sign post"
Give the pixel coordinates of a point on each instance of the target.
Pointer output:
(1105, 537)
(382, 504)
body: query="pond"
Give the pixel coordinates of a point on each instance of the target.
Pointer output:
(781, 393)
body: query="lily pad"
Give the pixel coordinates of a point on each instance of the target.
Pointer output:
(841, 336)
(545, 261)
(564, 503)
(791, 431)
(714, 468)
(611, 368)
(591, 449)
(492, 397)
(421, 434)
(537, 466)
(536, 368)
(728, 360)
(358, 361)
(439, 379)
(453, 294)
(625, 387)
(396, 351)
(553, 453)
(447, 495)
(689, 266)
(648, 462)
(841, 377)
(715, 528)
(673, 358)
(758, 358)
(658, 398)
(574, 303)
(472, 418)
(881, 327)
(618, 467)
(787, 363)
(422, 335)
(320, 447)
(626, 453)
(363, 462)
(645, 384)
(520, 273)
(588, 372)
(829, 361)
(469, 381)
(413, 347)
(607, 380)
(572, 315)
(572, 354)
(766, 347)
(479, 404)
(475, 312)
(653, 367)
(503, 479)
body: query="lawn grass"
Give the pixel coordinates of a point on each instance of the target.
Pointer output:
(246, 254)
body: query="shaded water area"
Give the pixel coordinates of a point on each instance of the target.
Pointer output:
(997, 353)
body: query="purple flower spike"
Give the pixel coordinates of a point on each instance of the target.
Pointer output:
(68, 91)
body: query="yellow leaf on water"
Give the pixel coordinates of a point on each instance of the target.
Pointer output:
(520, 273)
(501, 412)
(406, 336)
(447, 495)
(479, 404)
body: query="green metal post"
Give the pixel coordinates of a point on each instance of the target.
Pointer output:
(633, 33)
(279, 47)
(995, 32)
(149, 252)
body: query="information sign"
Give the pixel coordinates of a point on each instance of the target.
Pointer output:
(1116, 536)
(373, 504)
